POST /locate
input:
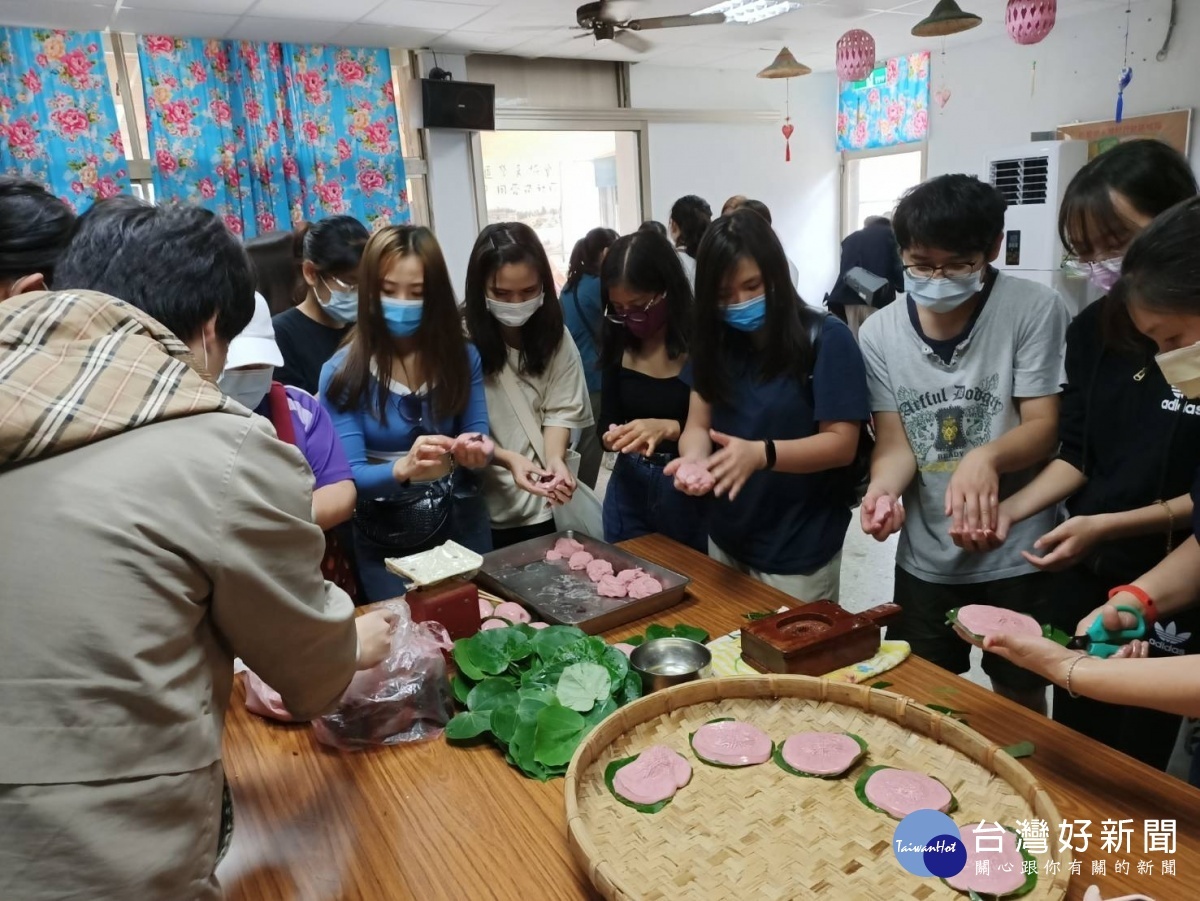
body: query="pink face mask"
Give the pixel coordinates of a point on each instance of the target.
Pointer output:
(1105, 274)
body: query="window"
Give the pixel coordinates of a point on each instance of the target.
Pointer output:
(873, 184)
(562, 184)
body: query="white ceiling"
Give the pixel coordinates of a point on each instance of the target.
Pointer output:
(533, 28)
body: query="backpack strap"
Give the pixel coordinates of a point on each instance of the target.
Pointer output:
(281, 413)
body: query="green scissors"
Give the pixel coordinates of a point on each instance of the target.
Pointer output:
(1102, 642)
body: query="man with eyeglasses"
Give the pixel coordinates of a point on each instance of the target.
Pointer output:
(964, 380)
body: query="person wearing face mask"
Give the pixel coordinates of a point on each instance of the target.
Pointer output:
(1128, 447)
(1159, 288)
(298, 417)
(648, 310)
(407, 400)
(964, 383)
(34, 229)
(154, 529)
(533, 375)
(778, 402)
(309, 334)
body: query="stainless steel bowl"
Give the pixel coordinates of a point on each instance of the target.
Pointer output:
(663, 662)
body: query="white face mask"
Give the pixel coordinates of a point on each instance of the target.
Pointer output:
(941, 295)
(247, 386)
(515, 314)
(1181, 367)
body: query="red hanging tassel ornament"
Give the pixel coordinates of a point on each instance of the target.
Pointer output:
(787, 135)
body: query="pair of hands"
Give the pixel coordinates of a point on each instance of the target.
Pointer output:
(375, 637)
(1051, 660)
(725, 471)
(555, 482)
(428, 454)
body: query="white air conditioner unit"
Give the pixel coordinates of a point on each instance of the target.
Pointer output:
(1033, 179)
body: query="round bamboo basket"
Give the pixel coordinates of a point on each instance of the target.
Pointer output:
(761, 833)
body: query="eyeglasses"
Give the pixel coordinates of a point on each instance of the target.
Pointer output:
(412, 408)
(950, 270)
(340, 285)
(636, 316)
(1087, 268)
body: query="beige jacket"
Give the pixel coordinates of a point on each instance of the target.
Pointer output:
(149, 532)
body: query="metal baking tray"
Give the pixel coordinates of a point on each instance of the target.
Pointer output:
(520, 573)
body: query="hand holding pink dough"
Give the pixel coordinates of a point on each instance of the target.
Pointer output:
(990, 880)
(473, 450)
(731, 743)
(655, 776)
(883, 509)
(976, 622)
(514, 613)
(579, 561)
(691, 477)
(598, 569)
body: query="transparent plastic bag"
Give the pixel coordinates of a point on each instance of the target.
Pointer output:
(263, 700)
(406, 698)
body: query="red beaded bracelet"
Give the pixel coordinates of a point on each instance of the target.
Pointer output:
(1149, 611)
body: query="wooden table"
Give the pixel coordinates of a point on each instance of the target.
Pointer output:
(430, 821)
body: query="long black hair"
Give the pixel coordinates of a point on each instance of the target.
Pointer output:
(278, 274)
(443, 348)
(1161, 271)
(788, 348)
(647, 263)
(35, 227)
(692, 216)
(505, 244)
(586, 257)
(335, 244)
(1152, 177)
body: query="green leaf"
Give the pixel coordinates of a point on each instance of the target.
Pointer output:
(504, 646)
(599, 713)
(610, 773)
(860, 789)
(777, 756)
(490, 694)
(657, 630)
(559, 732)
(635, 640)
(582, 685)
(631, 689)
(468, 725)
(461, 688)
(691, 632)
(547, 642)
(617, 666)
(881, 684)
(1021, 749)
(948, 711)
(464, 661)
(504, 723)
(1025, 888)
(758, 614)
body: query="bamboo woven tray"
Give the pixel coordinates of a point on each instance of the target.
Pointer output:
(761, 833)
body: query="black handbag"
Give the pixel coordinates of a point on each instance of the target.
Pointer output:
(414, 519)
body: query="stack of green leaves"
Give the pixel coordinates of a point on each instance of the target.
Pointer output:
(537, 693)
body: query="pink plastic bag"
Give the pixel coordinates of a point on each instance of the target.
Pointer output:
(262, 699)
(406, 698)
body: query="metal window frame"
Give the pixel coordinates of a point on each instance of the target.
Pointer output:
(847, 156)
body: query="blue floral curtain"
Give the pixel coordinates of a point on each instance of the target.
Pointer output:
(890, 106)
(58, 125)
(269, 135)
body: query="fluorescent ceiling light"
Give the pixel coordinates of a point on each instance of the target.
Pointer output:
(750, 11)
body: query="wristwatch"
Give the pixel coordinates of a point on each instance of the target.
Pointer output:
(770, 445)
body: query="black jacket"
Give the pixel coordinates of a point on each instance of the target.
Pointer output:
(1134, 437)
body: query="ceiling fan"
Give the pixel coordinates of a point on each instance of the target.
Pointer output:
(610, 20)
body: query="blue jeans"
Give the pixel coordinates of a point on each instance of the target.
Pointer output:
(640, 500)
(468, 524)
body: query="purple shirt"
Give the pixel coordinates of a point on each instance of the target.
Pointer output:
(315, 437)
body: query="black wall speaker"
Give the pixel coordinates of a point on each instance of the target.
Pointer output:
(458, 104)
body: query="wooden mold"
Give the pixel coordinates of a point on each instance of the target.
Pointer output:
(814, 639)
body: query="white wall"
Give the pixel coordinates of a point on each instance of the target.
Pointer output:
(717, 160)
(1077, 68)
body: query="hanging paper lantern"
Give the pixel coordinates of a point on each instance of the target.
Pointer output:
(1029, 21)
(855, 55)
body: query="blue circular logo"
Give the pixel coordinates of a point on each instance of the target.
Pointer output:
(928, 843)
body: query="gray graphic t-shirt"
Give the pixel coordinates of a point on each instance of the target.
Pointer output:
(1015, 350)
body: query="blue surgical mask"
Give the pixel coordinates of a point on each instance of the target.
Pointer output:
(342, 305)
(941, 295)
(747, 316)
(403, 317)
(247, 386)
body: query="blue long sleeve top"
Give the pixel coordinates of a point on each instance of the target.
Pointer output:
(363, 436)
